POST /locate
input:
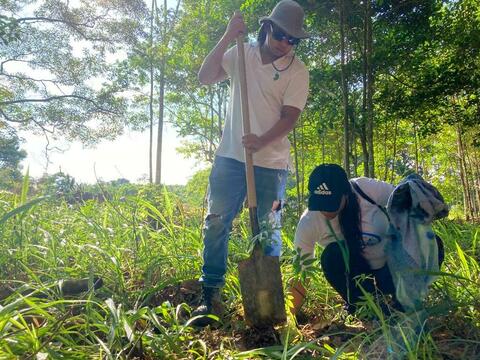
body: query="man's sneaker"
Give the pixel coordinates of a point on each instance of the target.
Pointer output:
(211, 304)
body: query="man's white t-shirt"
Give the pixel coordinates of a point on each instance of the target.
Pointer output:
(268, 91)
(313, 228)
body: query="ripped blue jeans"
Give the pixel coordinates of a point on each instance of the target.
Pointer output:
(226, 194)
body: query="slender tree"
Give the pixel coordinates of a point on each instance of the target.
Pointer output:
(152, 85)
(346, 127)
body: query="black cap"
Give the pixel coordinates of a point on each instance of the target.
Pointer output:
(327, 184)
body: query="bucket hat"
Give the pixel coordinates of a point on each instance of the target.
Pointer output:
(288, 16)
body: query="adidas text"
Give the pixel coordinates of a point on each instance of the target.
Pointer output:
(323, 192)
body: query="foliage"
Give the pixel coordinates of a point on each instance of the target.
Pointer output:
(424, 64)
(10, 157)
(45, 241)
(52, 87)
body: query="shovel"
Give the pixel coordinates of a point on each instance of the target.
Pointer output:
(260, 277)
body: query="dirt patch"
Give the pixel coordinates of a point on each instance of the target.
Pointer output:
(188, 292)
(253, 338)
(454, 337)
(322, 325)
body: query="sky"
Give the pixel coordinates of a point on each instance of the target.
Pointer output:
(126, 157)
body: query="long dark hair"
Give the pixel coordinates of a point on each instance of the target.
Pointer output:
(350, 219)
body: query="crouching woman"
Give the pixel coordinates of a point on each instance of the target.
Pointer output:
(349, 220)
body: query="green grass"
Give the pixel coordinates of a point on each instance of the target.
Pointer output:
(141, 244)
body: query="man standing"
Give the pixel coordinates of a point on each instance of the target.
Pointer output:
(277, 84)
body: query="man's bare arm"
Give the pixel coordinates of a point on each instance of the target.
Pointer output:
(211, 70)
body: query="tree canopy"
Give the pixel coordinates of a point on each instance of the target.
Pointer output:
(54, 68)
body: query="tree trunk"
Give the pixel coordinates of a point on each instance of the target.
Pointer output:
(370, 88)
(476, 177)
(152, 80)
(161, 110)
(353, 139)
(472, 179)
(161, 101)
(363, 143)
(338, 156)
(394, 152)
(423, 165)
(385, 147)
(415, 139)
(354, 147)
(323, 145)
(363, 127)
(346, 130)
(463, 175)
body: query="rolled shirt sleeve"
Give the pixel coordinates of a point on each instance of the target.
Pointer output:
(228, 60)
(306, 234)
(312, 228)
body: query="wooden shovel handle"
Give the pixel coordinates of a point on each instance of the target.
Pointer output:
(251, 195)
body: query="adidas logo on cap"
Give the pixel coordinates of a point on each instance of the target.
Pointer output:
(322, 189)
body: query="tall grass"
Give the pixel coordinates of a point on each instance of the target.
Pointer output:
(135, 248)
(139, 244)
(448, 326)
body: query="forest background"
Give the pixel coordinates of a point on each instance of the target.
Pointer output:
(394, 89)
(394, 84)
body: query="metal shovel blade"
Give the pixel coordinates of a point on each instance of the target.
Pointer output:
(262, 289)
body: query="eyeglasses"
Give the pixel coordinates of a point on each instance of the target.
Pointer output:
(369, 239)
(279, 35)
